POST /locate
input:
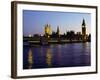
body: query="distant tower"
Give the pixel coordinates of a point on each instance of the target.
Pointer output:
(83, 30)
(47, 30)
(58, 31)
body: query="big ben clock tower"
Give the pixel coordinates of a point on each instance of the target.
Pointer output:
(83, 30)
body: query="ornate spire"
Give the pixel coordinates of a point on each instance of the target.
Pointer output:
(58, 30)
(83, 23)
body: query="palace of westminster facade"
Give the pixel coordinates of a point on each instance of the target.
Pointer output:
(83, 34)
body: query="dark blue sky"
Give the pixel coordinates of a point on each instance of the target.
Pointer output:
(34, 21)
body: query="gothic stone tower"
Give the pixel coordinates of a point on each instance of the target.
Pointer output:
(58, 31)
(47, 30)
(83, 30)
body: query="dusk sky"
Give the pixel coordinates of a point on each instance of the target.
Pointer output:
(34, 21)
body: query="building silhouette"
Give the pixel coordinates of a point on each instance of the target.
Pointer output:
(70, 35)
(51, 36)
(83, 30)
(58, 31)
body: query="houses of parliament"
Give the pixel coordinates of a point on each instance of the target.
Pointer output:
(70, 35)
(56, 36)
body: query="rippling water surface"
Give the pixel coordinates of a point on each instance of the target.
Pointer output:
(57, 55)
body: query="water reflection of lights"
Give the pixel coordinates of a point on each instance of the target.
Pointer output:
(49, 57)
(30, 58)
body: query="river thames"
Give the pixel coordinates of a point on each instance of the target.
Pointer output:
(57, 55)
